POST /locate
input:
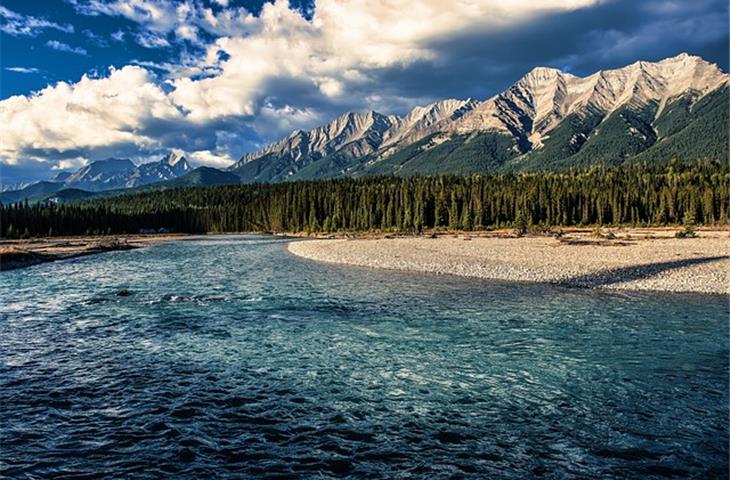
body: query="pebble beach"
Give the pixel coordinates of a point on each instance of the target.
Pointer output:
(698, 265)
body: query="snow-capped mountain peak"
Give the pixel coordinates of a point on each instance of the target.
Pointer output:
(175, 160)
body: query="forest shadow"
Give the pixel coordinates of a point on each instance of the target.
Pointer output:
(636, 272)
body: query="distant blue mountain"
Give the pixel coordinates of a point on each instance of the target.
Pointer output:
(102, 176)
(115, 173)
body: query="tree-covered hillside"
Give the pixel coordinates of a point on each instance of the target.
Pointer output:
(687, 130)
(562, 143)
(690, 132)
(442, 155)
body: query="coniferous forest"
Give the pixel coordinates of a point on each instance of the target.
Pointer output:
(630, 194)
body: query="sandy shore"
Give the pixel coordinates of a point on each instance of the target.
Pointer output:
(631, 262)
(24, 253)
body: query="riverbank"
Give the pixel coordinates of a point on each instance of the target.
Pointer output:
(24, 253)
(646, 259)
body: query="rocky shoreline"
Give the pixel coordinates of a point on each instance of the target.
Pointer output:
(654, 262)
(25, 253)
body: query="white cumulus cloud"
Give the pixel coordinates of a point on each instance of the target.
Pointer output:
(92, 113)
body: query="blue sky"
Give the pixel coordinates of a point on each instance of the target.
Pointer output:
(99, 41)
(83, 80)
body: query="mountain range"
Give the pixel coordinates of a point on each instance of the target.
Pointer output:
(105, 175)
(547, 120)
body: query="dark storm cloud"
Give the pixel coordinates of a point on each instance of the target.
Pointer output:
(479, 64)
(238, 134)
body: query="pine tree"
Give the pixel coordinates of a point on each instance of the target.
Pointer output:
(454, 213)
(440, 210)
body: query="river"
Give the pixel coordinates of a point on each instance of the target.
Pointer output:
(227, 357)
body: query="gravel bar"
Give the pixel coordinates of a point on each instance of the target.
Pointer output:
(698, 265)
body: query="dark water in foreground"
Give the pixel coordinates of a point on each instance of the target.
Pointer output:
(233, 359)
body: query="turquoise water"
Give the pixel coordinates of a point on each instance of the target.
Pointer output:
(231, 358)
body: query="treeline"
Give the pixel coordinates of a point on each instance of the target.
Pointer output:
(629, 194)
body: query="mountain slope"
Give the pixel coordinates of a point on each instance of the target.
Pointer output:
(199, 177)
(692, 130)
(39, 189)
(68, 195)
(676, 108)
(440, 154)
